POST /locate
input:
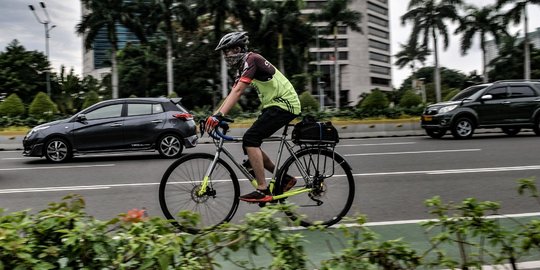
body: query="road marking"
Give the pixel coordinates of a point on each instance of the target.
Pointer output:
(373, 144)
(71, 188)
(414, 152)
(473, 170)
(57, 167)
(14, 158)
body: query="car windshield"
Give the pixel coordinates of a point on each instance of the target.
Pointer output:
(468, 92)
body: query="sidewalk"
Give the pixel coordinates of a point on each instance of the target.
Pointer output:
(375, 129)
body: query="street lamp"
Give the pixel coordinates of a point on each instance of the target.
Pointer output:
(47, 36)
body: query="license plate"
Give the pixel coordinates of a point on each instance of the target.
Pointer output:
(427, 117)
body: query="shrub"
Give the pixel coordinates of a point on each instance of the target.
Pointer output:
(410, 99)
(12, 106)
(308, 102)
(173, 95)
(42, 107)
(90, 99)
(376, 100)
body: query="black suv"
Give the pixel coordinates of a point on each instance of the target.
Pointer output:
(160, 124)
(509, 105)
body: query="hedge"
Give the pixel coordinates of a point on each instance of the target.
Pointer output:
(63, 236)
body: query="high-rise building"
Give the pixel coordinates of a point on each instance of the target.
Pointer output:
(492, 50)
(96, 61)
(364, 58)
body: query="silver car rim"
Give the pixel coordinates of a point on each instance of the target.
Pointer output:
(464, 128)
(170, 146)
(57, 150)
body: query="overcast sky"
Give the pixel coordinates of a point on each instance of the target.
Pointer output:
(18, 22)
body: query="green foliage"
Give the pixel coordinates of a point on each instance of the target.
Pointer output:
(22, 72)
(64, 236)
(308, 102)
(12, 106)
(410, 99)
(42, 107)
(90, 99)
(376, 100)
(235, 111)
(451, 94)
(173, 95)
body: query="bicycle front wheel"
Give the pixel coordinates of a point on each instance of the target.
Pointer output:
(331, 181)
(180, 190)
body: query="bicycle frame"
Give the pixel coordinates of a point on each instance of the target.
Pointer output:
(283, 144)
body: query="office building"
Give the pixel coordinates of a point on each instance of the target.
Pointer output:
(364, 58)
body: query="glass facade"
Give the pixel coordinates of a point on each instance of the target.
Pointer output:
(102, 46)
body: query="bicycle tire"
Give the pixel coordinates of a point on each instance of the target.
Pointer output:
(337, 196)
(180, 183)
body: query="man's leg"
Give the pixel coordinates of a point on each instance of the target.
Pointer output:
(256, 157)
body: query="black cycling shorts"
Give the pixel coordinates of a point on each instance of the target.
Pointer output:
(269, 121)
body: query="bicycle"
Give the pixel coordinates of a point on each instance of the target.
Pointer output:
(208, 185)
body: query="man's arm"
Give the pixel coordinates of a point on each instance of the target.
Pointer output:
(232, 98)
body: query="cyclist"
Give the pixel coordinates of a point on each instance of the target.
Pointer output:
(279, 101)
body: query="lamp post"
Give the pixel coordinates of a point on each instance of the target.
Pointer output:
(47, 36)
(319, 89)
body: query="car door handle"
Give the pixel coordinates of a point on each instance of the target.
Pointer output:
(157, 121)
(538, 99)
(116, 125)
(506, 102)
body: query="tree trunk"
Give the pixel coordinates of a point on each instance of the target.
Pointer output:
(336, 70)
(484, 61)
(170, 78)
(437, 71)
(280, 52)
(114, 73)
(527, 63)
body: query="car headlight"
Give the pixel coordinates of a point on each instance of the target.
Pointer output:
(446, 109)
(36, 129)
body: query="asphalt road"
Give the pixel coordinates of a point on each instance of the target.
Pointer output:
(394, 176)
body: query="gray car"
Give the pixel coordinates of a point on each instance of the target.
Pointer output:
(130, 124)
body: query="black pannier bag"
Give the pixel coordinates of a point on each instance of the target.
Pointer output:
(309, 131)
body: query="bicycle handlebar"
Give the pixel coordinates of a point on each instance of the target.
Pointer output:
(216, 133)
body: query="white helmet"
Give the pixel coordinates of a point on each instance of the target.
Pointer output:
(234, 39)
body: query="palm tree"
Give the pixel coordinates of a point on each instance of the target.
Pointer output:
(514, 14)
(481, 21)
(409, 55)
(162, 15)
(428, 19)
(106, 15)
(280, 18)
(336, 13)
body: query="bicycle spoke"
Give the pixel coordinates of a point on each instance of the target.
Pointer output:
(180, 189)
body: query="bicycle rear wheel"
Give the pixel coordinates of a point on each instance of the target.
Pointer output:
(180, 185)
(332, 183)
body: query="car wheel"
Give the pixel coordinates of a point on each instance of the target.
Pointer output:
(536, 127)
(511, 131)
(436, 133)
(170, 146)
(463, 128)
(57, 150)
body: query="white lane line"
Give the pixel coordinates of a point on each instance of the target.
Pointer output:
(414, 152)
(374, 144)
(433, 172)
(57, 167)
(473, 170)
(71, 188)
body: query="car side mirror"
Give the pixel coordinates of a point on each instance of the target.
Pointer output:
(486, 97)
(81, 117)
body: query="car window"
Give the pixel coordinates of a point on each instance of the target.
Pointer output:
(468, 92)
(157, 108)
(110, 111)
(519, 91)
(139, 109)
(497, 93)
